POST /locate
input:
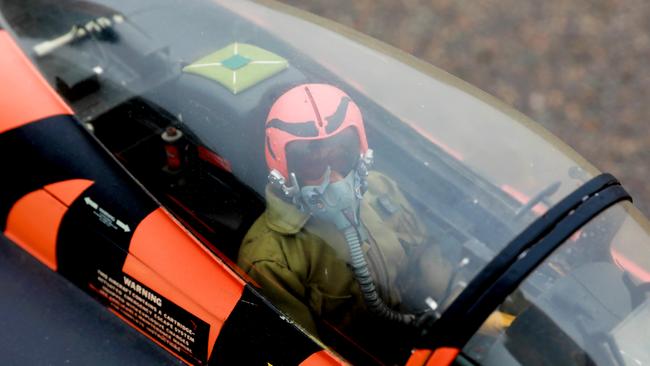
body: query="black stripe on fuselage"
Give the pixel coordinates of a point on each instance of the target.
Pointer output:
(256, 334)
(57, 149)
(37, 154)
(96, 231)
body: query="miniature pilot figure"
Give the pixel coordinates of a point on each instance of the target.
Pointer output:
(337, 242)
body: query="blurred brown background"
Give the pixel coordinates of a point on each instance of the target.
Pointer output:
(581, 68)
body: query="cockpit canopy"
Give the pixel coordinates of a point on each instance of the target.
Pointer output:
(477, 172)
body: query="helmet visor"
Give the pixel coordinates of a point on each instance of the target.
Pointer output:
(309, 159)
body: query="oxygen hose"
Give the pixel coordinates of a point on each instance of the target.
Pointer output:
(360, 268)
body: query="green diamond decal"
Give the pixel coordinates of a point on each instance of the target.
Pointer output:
(238, 66)
(235, 62)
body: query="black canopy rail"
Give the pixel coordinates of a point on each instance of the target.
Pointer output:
(509, 268)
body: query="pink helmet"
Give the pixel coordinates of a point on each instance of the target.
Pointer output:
(308, 113)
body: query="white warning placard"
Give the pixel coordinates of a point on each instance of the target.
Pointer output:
(163, 320)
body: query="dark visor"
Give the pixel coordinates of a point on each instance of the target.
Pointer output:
(309, 159)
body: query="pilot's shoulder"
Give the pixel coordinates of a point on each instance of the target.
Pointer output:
(383, 194)
(381, 184)
(261, 243)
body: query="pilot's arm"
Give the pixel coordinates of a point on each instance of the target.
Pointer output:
(300, 274)
(427, 270)
(281, 286)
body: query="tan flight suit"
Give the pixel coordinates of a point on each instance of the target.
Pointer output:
(301, 262)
